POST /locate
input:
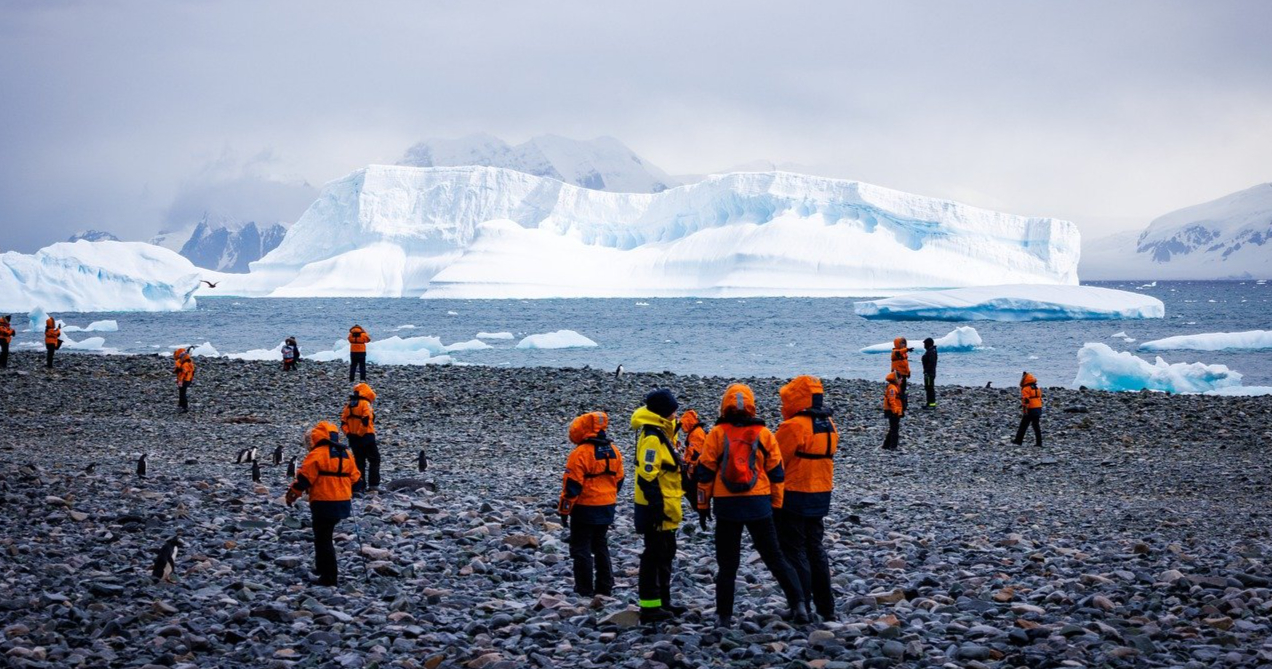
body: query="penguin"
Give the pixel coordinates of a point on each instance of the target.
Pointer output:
(618, 373)
(989, 384)
(278, 456)
(256, 472)
(423, 460)
(251, 454)
(92, 467)
(291, 468)
(241, 457)
(141, 466)
(245, 456)
(166, 560)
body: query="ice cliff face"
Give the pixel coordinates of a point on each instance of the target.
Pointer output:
(491, 232)
(223, 244)
(97, 276)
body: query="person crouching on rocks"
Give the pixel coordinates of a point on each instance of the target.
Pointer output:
(328, 475)
(809, 441)
(1031, 409)
(6, 336)
(741, 473)
(658, 503)
(893, 410)
(291, 354)
(183, 367)
(589, 493)
(358, 340)
(357, 419)
(52, 341)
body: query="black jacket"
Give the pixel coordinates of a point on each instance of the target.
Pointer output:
(929, 362)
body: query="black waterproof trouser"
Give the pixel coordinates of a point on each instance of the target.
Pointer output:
(366, 455)
(4, 354)
(358, 361)
(589, 549)
(893, 440)
(802, 540)
(929, 385)
(905, 393)
(653, 585)
(182, 401)
(48, 355)
(728, 545)
(1030, 417)
(325, 549)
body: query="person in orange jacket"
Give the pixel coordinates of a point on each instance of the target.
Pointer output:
(901, 351)
(357, 419)
(328, 475)
(184, 369)
(691, 426)
(1030, 409)
(6, 336)
(52, 340)
(808, 440)
(893, 410)
(589, 492)
(358, 340)
(740, 474)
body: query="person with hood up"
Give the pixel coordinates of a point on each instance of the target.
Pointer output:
(52, 340)
(291, 354)
(183, 367)
(358, 340)
(893, 410)
(659, 493)
(809, 441)
(740, 474)
(328, 475)
(6, 336)
(929, 371)
(901, 367)
(357, 420)
(691, 426)
(589, 492)
(1031, 409)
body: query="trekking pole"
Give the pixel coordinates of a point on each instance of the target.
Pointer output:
(357, 535)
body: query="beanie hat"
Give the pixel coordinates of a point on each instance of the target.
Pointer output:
(929, 343)
(662, 402)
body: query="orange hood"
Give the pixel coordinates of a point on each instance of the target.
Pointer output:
(899, 342)
(689, 420)
(588, 426)
(50, 323)
(798, 395)
(324, 431)
(1027, 379)
(892, 378)
(738, 398)
(178, 354)
(364, 391)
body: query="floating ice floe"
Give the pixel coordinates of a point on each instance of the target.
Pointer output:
(960, 340)
(494, 335)
(1102, 368)
(275, 353)
(1252, 340)
(470, 345)
(1014, 303)
(558, 339)
(91, 344)
(205, 350)
(404, 327)
(392, 351)
(95, 326)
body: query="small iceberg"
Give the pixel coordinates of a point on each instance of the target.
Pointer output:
(91, 345)
(558, 339)
(392, 351)
(470, 345)
(494, 335)
(95, 326)
(1014, 303)
(205, 350)
(1253, 340)
(275, 353)
(960, 340)
(1102, 368)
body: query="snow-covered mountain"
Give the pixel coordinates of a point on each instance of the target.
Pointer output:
(481, 232)
(603, 163)
(92, 236)
(1228, 238)
(221, 243)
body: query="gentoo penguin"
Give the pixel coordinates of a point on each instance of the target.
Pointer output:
(423, 460)
(256, 472)
(246, 455)
(618, 373)
(990, 384)
(166, 560)
(141, 466)
(278, 456)
(291, 468)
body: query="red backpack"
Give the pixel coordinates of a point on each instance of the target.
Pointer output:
(742, 448)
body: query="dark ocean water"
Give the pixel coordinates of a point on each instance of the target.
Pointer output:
(728, 337)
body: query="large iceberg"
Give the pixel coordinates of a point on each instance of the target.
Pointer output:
(1014, 303)
(483, 232)
(959, 340)
(1102, 368)
(97, 276)
(1254, 340)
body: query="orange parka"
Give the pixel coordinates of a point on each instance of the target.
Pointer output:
(1030, 393)
(695, 437)
(6, 330)
(327, 474)
(357, 419)
(358, 339)
(901, 357)
(184, 366)
(809, 441)
(892, 396)
(741, 464)
(593, 472)
(52, 333)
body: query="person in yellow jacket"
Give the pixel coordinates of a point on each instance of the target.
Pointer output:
(328, 475)
(1030, 409)
(658, 502)
(358, 340)
(809, 441)
(52, 340)
(357, 419)
(6, 336)
(741, 474)
(589, 492)
(184, 369)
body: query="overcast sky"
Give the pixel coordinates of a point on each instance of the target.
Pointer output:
(128, 116)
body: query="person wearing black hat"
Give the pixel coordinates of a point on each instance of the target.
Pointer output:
(929, 371)
(658, 508)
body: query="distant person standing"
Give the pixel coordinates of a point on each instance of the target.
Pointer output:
(589, 492)
(358, 340)
(901, 367)
(1031, 409)
(184, 369)
(357, 419)
(291, 354)
(52, 341)
(929, 371)
(893, 410)
(6, 336)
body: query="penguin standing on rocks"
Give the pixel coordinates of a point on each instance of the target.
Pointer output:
(141, 466)
(256, 472)
(166, 560)
(423, 462)
(989, 384)
(291, 468)
(278, 456)
(618, 373)
(245, 456)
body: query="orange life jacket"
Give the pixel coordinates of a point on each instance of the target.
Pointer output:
(184, 367)
(900, 357)
(358, 339)
(695, 436)
(357, 419)
(740, 461)
(892, 397)
(6, 332)
(52, 333)
(328, 472)
(807, 437)
(594, 470)
(1030, 393)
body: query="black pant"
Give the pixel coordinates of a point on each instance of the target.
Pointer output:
(728, 545)
(366, 455)
(182, 402)
(802, 538)
(325, 549)
(590, 552)
(653, 586)
(4, 353)
(1030, 417)
(929, 385)
(358, 361)
(48, 357)
(905, 396)
(893, 440)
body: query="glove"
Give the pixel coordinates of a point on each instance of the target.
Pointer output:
(565, 522)
(291, 496)
(703, 516)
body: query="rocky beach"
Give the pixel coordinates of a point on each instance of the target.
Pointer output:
(1137, 537)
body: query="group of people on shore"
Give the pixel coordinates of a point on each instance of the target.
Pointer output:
(52, 340)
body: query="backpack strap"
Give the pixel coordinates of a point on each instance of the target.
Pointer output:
(662, 437)
(603, 451)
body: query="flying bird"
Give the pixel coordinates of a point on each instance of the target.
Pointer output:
(141, 466)
(210, 284)
(166, 560)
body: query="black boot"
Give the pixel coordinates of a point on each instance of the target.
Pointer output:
(652, 615)
(800, 614)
